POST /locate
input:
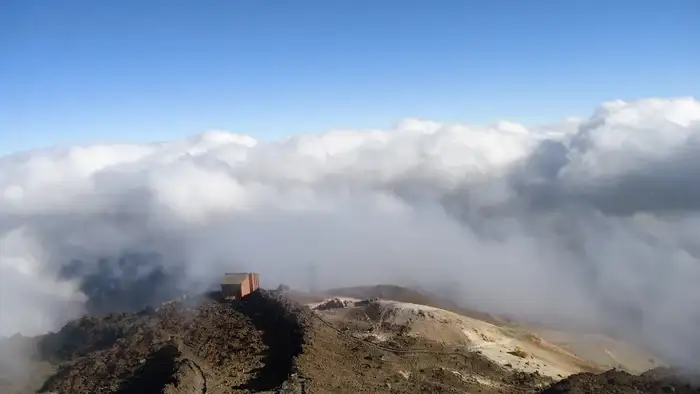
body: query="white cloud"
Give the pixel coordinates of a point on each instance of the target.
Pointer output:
(590, 220)
(621, 137)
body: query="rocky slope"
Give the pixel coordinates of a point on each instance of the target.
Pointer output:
(620, 382)
(262, 344)
(265, 344)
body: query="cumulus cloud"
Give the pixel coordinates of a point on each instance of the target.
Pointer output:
(590, 221)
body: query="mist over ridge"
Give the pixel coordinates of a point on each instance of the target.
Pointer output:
(590, 220)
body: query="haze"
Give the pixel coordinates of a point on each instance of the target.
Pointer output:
(589, 221)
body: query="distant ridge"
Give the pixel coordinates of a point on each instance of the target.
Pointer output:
(405, 294)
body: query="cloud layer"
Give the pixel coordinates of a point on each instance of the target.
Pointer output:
(591, 221)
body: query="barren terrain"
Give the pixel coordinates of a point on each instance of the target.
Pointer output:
(268, 343)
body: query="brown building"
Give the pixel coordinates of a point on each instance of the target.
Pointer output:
(239, 285)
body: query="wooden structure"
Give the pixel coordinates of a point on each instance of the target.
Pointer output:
(239, 285)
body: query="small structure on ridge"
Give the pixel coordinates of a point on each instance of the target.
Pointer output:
(239, 285)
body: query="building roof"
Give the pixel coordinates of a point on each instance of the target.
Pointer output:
(234, 278)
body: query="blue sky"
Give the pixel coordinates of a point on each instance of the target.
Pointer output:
(86, 70)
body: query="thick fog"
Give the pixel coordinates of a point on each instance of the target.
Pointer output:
(592, 222)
